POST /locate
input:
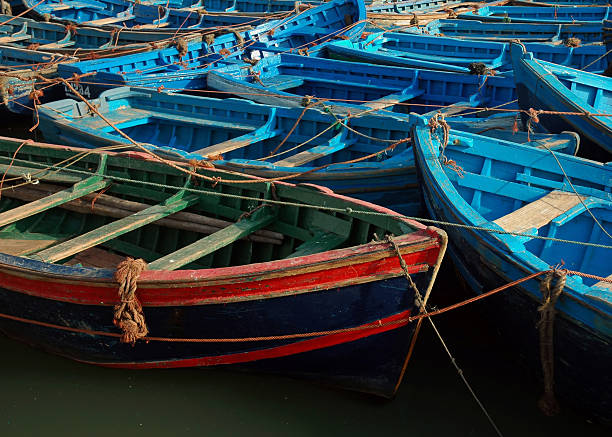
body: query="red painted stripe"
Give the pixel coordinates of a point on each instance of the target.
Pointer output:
(275, 352)
(265, 283)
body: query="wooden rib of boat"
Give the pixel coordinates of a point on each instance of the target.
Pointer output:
(452, 54)
(20, 70)
(507, 187)
(242, 270)
(526, 32)
(534, 14)
(286, 80)
(545, 86)
(251, 138)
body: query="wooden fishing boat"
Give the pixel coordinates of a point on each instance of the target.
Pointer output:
(452, 54)
(186, 66)
(492, 184)
(182, 67)
(296, 81)
(408, 7)
(472, 29)
(262, 276)
(82, 41)
(306, 146)
(534, 14)
(549, 87)
(20, 73)
(560, 3)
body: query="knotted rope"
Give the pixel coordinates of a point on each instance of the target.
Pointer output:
(534, 117)
(438, 122)
(572, 42)
(551, 287)
(128, 313)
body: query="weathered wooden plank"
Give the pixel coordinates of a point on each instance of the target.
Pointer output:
(540, 212)
(260, 134)
(337, 143)
(96, 257)
(81, 189)
(21, 247)
(393, 99)
(119, 227)
(211, 243)
(604, 284)
(14, 38)
(44, 175)
(321, 242)
(108, 20)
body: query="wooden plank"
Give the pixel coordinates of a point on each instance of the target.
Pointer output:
(335, 144)
(14, 38)
(321, 242)
(40, 174)
(214, 242)
(393, 99)
(21, 247)
(604, 284)
(540, 212)
(119, 227)
(107, 20)
(80, 189)
(260, 134)
(283, 82)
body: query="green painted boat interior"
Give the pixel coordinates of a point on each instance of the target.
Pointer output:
(88, 206)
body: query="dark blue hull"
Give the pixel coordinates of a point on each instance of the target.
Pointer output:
(371, 364)
(582, 357)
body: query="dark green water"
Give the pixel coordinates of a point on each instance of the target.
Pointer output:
(47, 395)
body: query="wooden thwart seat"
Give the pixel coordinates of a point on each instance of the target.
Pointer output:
(604, 284)
(119, 227)
(335, 144)
(540, 212)
(81, 189)
(214, 242)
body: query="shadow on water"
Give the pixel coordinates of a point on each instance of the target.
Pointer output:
(47, 395)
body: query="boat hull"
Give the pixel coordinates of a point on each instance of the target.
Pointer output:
(582, 356)
(368, 359)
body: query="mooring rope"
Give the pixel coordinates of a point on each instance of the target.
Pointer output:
(422, 304)
(128, 315)
(551, 288)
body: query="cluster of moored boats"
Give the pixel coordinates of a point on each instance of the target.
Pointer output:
(273, 185)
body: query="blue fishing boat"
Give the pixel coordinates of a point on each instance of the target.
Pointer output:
(531, 14)
(185, 66)
(488, 185)
(97, 12)
(408, 7)
(262, 140)
(20, 73)
(452, 54)
(288, 279)
(549, 87)
(174, 68)
(297, 81)
(81, 41)
(472, 29)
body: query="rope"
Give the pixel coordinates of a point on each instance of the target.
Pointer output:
(319, 207)
(128, 315)
(550, 293)
(423, 312)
